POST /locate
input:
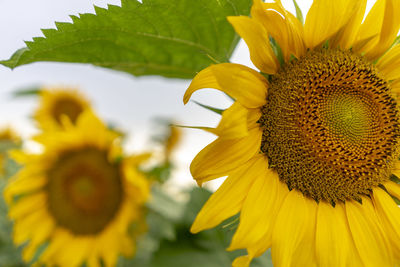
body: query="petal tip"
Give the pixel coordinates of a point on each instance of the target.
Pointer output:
(195, 229)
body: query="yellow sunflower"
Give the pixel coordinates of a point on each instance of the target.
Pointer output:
(80, 196)
(8, 140)
(172, 140)
(58, 103)
(7, 134)
(311, 143)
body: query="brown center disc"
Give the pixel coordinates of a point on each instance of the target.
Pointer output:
(84, 191)
(69, 107)
(330, 126)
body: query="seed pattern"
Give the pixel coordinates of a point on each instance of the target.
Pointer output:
(330, 126)
(84, 191)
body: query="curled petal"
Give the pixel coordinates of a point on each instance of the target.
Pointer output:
(257, 39)
(245, 85)
(379, 29)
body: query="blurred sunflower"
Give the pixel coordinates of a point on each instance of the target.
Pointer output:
(9, 135)
(80, 196)
(312, 141)
(8, 140)
(57, 103)
(172, 140)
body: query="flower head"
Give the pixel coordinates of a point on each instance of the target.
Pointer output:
(80, 195)
(7, 134)
(55, 104)
(312, 141)
(9, 139)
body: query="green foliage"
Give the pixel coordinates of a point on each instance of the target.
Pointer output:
(216, 110)
(161, 173)
(277, 51)
(169, 38)
(27, 92)
(10, 256)
(8, 167)
(163, 213)
(179, 247)
(164, 205)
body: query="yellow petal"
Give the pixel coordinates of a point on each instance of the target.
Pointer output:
(93, 261)
(259, 211)
(19, 156)
(305, 252)
(78, 247)
(390, 214)
(291, 227)
(41, 233)
(393, 189)
(257, 39)
(395, 86)
(25, 228)
(59, 238)
(228, 199)
(369, 238)
(242, 261)
(396, 169)
(253, 116)
(325, 19)
(233, 123)
(109, 254)
(26, 204)
(21, 186)
(137, 183)
(222, 156)
(380, 28)
(127, 246)
(346, 36)
(389, 62)
(138, 159)
(332, 236)
(245, 85)
(29, 251)
(257, 249)
(297, 45)
(285, 28)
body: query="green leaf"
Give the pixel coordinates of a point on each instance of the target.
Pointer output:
(27, 92)
(157, 37)
(277, 51)
(164, 205)
(198, 197)
(299, 14)
(161, 173)
(216, 110)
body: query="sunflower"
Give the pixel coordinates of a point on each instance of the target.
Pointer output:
(7, 134)
(8, 140)
(58, 103)
(80, 198)
(172, 140)
(310, 146)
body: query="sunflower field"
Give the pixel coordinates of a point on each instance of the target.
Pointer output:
(208, 133)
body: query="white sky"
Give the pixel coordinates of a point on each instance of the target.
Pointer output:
(127, 101)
